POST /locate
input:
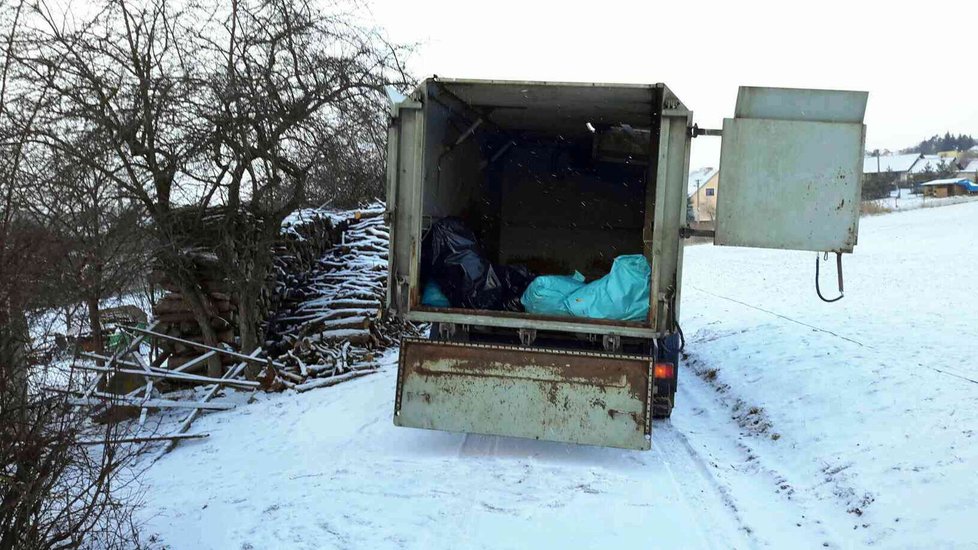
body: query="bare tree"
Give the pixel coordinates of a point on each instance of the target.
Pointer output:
(57, 491)
(98, 229)
(54, 493)
(210, 104)
(166, 112)
(125, 81)
(292, 87)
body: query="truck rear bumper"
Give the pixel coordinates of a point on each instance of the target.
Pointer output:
(555, 395)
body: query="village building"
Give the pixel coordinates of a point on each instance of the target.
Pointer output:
(969, 171)
(948, 187)
(702, 192)
(934, 163)
(897, 165)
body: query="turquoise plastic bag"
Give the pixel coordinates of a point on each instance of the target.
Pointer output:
(433, 296)
(622, 294)
(545, 295)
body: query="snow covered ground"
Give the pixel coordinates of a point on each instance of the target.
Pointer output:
(798, 424)
(875, 398)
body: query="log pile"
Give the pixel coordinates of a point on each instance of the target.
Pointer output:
(330, 321)
(325, 300)
(328, 325)
(175, 317)
(305, 237)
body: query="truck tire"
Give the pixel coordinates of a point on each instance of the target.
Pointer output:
(664, 398)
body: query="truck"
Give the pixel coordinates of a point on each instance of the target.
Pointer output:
(563, 177)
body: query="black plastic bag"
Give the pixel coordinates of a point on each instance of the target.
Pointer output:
(515, 279)
(447, 236)
(470, 281)
(451, 256)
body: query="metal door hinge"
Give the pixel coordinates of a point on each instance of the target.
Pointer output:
(696, 131)
(687, 232)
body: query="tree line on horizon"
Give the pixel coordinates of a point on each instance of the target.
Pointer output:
(938, 143)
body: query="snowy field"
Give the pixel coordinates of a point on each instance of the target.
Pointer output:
(798, 424)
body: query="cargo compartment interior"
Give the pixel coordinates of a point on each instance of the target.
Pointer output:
(554, 178)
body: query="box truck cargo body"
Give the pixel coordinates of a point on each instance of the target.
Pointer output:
(567, 177)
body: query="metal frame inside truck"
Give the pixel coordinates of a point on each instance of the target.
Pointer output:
(665, 206)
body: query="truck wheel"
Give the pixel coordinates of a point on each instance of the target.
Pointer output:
(664, 398)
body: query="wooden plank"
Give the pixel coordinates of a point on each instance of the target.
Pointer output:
(175, 375)
(236, 355)
(185, 425)
(116, 361)
(333, 380)
(182, 368)
(150, 403)
(194, 362)
(145, 411)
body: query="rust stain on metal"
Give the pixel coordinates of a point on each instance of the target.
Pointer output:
(540, 393)
(476, 361)
(552, 394)
(414, 292)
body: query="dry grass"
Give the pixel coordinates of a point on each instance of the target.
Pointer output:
(873, 208)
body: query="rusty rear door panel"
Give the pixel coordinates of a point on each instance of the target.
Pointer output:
(555, 395)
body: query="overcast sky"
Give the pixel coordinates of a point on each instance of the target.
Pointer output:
(917, 60)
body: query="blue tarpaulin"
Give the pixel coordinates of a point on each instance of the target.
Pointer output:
(622, 294)
(433, 296)
(546, 294)
(971, 186)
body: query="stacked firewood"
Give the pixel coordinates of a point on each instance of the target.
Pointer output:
(328, 325)
(331, 323)
(324, 301)
(307, 235)
(175, 317)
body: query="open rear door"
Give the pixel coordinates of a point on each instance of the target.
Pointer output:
(791, 170)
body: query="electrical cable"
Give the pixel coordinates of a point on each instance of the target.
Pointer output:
(813, 327)
(819, 290)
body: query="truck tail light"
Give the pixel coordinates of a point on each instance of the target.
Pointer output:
(663, 371)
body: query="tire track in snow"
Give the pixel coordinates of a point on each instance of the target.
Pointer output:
(749, 480)
(671, 475)
(693, 464)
